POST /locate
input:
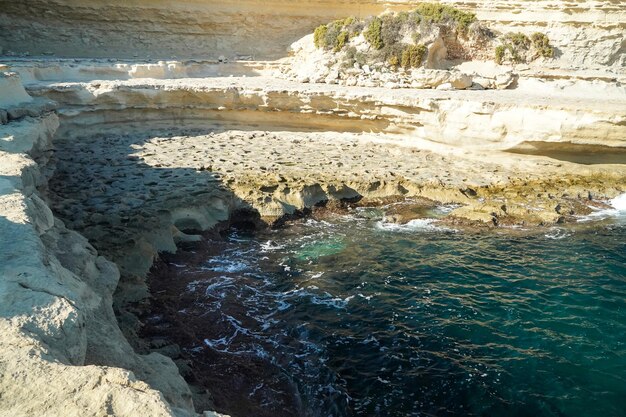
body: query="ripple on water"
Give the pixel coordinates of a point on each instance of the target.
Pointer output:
(417, 225)
(364, 320)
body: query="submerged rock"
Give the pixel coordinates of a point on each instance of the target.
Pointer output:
(404, 212)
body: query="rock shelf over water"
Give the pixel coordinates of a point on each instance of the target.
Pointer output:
(152, 133)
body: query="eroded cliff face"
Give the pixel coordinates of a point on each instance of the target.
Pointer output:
(586, 33)
(140, 164)
(161, 29)
(105, 164)
(59, 330)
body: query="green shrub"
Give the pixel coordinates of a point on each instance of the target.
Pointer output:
(500, 51)
(438, 13)
(414, 20)
(541, 43)
(431, 11)
(319, 36)
(391, 29)
(413, 55)
(332, 35)
(547, 52)
(518, 47)
(341, 40)
(515, 48)
(353, 56)
(389, 51)
(373, 33)
(513, 55)
(349, 21)
(539, 40)
(393, 61)
(360, 58)
(518, 40)
(349, 58)
(354, 26)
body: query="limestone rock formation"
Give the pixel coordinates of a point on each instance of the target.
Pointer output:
(106, 162)
(56, 297)
(586, 33)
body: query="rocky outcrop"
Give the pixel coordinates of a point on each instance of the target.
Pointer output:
(466, 119)
(310, 64)
(149, 200)
(13, 92)
(141, 156)
(61, 70)
(60, 336)
(443, 47)
(586, 33)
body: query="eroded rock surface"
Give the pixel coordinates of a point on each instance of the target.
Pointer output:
(139, 156)
(144, 190)
(586, 33)
(56, 315)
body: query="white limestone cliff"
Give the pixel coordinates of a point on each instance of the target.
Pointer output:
(586, 33)
(204, 64)
(59, 333)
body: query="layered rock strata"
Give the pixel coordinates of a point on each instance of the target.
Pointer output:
(586, 33)
(137, 157)
(139, 165)
(472, 119)
(59, 330)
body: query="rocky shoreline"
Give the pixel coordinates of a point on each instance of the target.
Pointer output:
(137, 189)
(107, 166)
(182, 320)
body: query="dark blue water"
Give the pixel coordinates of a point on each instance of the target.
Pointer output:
(369, 319)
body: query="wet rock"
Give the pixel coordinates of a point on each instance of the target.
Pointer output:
(171, 351)
(403, 213)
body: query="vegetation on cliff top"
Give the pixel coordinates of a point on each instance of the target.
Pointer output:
(439, 13)
(336, 35)
(519, 48)
(400, 39)
(394, 38)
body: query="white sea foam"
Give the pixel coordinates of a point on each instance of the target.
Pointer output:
(448, 208)
(618, 205)
(270, 246)
(417, 225)
(334, 302)
(557, 234)
(217, 288)
(225, 264)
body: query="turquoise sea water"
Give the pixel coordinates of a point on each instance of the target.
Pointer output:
(371, 319)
